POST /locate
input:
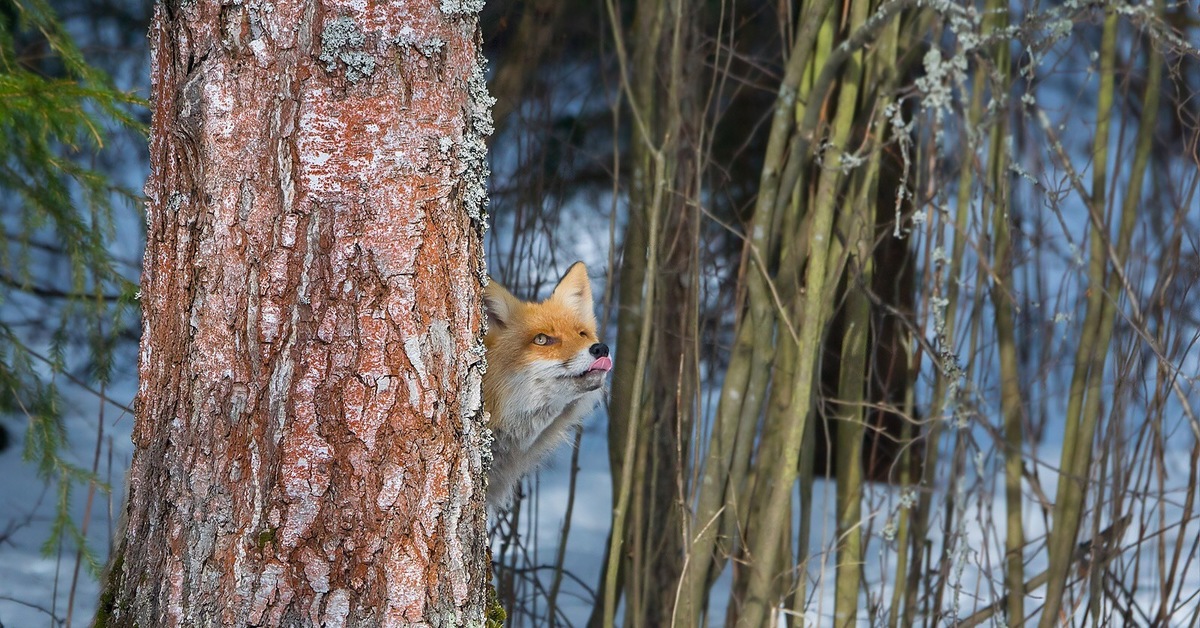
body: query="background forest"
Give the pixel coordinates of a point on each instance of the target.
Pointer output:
(900, 295)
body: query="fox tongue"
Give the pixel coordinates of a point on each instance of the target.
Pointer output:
(601, 364)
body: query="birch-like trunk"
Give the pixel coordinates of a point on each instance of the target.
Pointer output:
(309, 440)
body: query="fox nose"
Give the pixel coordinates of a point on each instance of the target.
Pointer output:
(598, 350)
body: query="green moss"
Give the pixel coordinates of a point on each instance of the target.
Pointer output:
(108, 596)
(495, 612)
(265, 537)
(495, 615)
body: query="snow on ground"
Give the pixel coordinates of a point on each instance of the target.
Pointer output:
(976, 582)
(33, 584)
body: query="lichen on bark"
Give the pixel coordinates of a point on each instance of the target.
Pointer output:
(341, 40)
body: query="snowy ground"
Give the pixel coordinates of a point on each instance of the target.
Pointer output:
(33, 585)
(976, 584)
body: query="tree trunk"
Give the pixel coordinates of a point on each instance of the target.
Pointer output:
(309, 435)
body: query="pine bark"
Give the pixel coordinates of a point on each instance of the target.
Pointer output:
(309, 434)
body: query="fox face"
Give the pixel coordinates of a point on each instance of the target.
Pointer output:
(546, 371)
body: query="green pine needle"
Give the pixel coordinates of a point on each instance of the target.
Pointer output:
(56, 113)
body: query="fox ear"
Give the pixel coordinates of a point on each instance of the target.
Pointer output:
(499, 304)
(575, 291)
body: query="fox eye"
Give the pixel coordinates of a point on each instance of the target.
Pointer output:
(541, 339)
(583, 334)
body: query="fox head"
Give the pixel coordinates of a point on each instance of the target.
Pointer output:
(542, 356)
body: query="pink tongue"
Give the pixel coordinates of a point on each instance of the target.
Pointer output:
(601, 364)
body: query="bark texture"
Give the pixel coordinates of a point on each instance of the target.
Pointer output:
(309, 438)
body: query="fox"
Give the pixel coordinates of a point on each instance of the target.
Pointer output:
(546, 371)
